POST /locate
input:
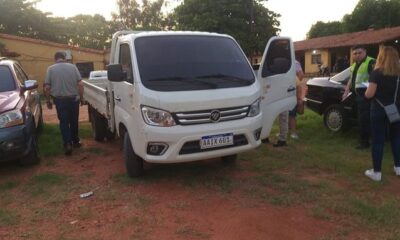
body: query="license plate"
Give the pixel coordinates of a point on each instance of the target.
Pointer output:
(214, 141)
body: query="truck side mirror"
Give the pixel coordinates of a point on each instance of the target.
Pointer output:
(115, 73)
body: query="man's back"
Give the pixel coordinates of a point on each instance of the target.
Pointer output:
(63, 78)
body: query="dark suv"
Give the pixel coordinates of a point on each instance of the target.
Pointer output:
(20, 114)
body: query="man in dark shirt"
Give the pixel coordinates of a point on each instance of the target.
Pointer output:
(360, 71)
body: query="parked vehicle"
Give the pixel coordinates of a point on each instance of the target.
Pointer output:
(20, 114)
(187, 96)
(324, 96)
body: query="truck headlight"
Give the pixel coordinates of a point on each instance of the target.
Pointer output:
(11, 118)
(254, 109)
(157, 117)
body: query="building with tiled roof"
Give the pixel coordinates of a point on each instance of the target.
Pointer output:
(37, 55)
(331, 49)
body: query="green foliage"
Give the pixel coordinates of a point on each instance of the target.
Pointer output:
(373, 13)
(148, 16)
(321, 29)
(247, 20)
(367, 13)
(21, 18)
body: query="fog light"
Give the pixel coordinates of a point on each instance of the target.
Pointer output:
(257, 134)
(157, 149)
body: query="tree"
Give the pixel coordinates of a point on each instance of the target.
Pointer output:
(89, 31)
(321, 29)
(147, 16)
(19, 17)
(367, 13)
(247, 20)
(373, 13)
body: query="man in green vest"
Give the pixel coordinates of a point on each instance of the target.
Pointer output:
(360, 70)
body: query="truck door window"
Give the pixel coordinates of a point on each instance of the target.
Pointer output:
(7, 80)
(278, 59)
(126, 61)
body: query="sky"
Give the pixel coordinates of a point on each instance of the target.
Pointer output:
(297, 16)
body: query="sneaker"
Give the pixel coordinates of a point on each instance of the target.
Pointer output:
(294, 136)
(376, 176)
(68, 149)
(280, 143)
(396, 170)
(77, 144)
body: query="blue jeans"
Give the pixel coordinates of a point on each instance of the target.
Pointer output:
(379, 123)
(363, 108)
(68, 114)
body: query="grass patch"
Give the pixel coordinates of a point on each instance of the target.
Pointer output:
(44, 183)
(50, 140)
(8, 218)
(8, 186)
(187, 231)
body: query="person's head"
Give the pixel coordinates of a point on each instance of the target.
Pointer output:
(388, 61)
(359, 53)
(59, 56)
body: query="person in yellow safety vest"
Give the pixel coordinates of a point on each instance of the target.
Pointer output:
(360, 71)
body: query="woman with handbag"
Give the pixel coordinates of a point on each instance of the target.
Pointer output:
(384, 89)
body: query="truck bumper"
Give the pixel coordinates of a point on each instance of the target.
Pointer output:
(182, 143)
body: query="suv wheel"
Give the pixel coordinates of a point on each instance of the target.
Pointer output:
(335, 118)
(32, 157)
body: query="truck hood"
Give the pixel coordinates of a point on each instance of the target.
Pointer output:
(205, 99)
(8, 100)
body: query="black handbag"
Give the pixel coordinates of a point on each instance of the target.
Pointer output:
(391, 110)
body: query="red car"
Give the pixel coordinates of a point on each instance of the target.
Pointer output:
(20, 114)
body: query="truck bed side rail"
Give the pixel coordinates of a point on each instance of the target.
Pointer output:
(97, 98)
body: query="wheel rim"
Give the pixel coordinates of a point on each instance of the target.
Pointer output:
(334, 120)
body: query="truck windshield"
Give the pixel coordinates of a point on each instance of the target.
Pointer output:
(184, 62)
(7, 82)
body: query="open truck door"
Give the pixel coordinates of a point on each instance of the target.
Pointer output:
(277, 76)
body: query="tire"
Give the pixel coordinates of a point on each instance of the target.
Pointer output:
(39, 127)
(229, 158)
(32, 157)
(99, 126)
(335, 118)
(110, 135)
(133, 163)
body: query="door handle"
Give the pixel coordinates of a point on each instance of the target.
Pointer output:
(118, 99)
(291, 89)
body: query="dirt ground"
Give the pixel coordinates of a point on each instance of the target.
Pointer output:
(154, 208)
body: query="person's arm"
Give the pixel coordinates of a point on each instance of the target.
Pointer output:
(346, 90)
(47, 88)
(371, 90)
(80, 90)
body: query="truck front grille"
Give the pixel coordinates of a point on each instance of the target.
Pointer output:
(206, 116)
(194, 146)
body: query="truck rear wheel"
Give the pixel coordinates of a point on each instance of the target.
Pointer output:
(99, 125)
(133, 163)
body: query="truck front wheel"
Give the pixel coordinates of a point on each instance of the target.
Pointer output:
(133, 163)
